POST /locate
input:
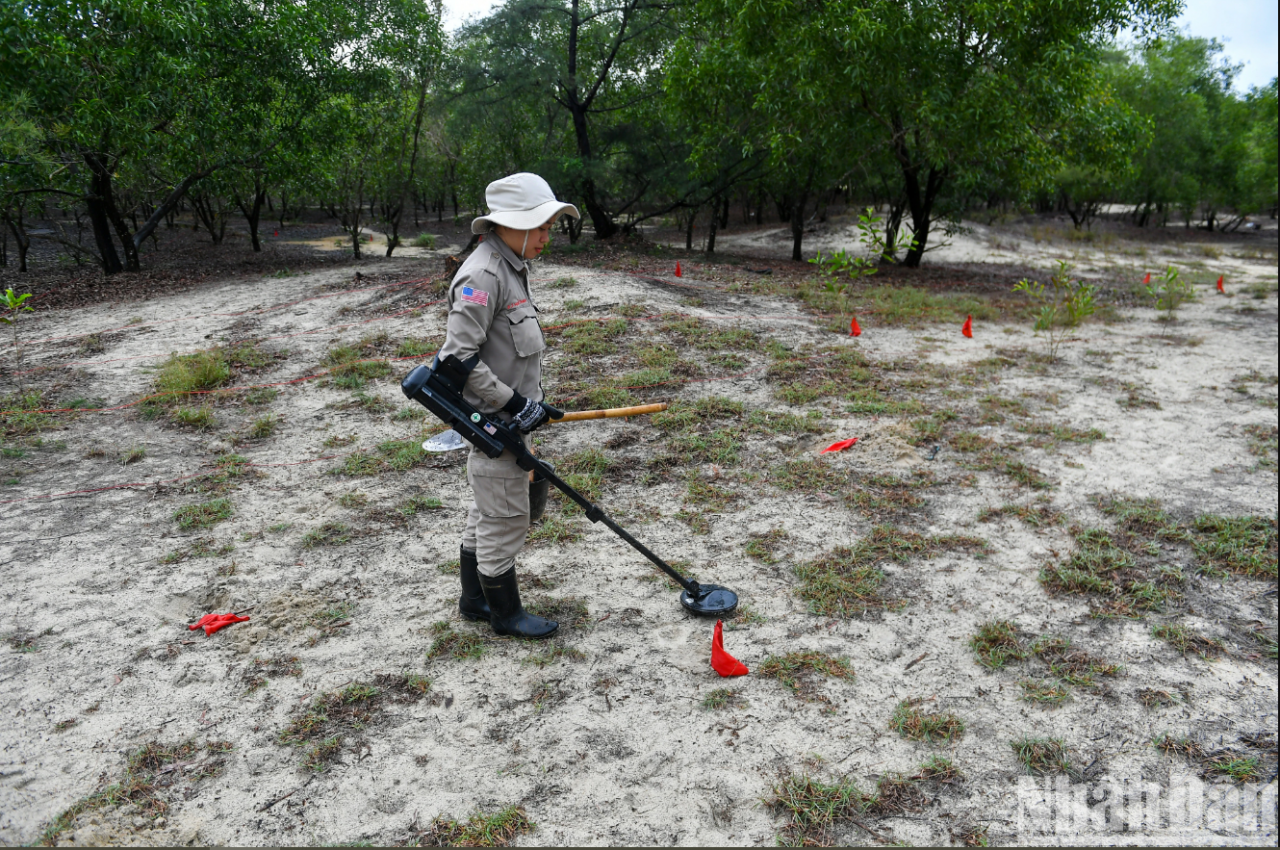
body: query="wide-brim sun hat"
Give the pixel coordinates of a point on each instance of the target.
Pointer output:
(522, 202)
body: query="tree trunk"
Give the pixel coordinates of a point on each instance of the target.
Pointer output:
(99, 187)
(254, 212)
(920, 201)
(688, 229)
(797, 224)
(712, 225)
(20, 237)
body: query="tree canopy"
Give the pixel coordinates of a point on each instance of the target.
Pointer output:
(636, 110)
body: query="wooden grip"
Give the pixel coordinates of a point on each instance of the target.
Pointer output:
(611, 413)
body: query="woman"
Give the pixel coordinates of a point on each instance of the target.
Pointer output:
(493, 329)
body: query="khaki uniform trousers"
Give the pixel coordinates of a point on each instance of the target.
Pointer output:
(499, 516)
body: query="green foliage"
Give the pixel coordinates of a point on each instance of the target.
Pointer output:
(1169, 291)
(203, 515)
(1063, 306)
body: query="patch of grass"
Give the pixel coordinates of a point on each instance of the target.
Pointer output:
(1262, 445)
(911, 306)
(329, 534)
(1237, 768)
(766, 422)
(812, 808)
(847, 581)
(1153, 698)
(133, 455)
(336, 720)
(20, 413)
(328, 619)
(997, 643)
(448, 643)
(352, 367)
(914, 725)
(763, 546)
(1239, 545)
(353, 500)
(1137, 516)
(1037, 515)
(1108, 575)
(562, 283)
(722, 698)
(968, 441)
(881, 495)
(423, 240)
(897, 794)
(261, 395)
(204, 515)
(592, 338)
(197, 418)
(873, 402)
(1043, 692)
(569, 611)
(555, 529)
(797, 670)
(480, 830)
(417, 504)
(1042, 756)
(151, 774)
(807, 476)
(183, 374)
(1183, 745)
(391, 456)
(1185, 640)
(1051, 434)
(1072, 666)
(939, 769)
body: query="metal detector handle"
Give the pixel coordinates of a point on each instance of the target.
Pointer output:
(595, 514)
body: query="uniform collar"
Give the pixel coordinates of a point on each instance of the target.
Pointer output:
(506, 253)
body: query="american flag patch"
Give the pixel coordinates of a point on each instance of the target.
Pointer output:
(475, 296)
(488, 426)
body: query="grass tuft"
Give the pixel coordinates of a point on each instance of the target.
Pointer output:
(796, 670)
(996, 644)
(914, 725)
(1042, 756)
(480, 830)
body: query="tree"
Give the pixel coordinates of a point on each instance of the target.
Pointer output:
(155, 95)
(590, 61)
(958, 93)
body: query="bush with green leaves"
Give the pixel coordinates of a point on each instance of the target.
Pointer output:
(1170, 292)
(1064, 304)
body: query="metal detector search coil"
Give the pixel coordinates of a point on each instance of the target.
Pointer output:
(438, 388)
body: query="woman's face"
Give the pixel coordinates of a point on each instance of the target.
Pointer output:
(538, 239)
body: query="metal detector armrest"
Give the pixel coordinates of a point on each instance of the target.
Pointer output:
(436, 394)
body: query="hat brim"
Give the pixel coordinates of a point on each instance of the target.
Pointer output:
(524, 219)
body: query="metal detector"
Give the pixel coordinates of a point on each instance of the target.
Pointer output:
(438, 388)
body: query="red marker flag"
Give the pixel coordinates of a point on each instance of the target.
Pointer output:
(1220, 289)
(213, 622)
(855, 329)
(722, 662)
(678, 269)
(1147, 279)
(967, 330)
(840, 446)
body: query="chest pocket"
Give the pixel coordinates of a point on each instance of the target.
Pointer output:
(526, 333)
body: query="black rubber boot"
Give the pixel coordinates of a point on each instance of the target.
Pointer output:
(508, 616)
(472, 604)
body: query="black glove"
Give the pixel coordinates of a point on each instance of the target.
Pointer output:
(529, 415)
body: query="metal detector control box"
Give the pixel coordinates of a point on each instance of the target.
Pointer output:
(438, 388)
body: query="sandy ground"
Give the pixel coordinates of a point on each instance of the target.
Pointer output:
(613, 746)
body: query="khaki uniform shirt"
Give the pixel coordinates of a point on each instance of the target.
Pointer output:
(491, 312)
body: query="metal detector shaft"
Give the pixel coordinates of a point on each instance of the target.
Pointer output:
(595, 514)
(439, 389)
